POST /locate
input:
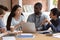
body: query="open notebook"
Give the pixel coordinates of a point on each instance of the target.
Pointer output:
(25, 35)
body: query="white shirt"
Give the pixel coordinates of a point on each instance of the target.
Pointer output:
(15, 22)
(2, 25)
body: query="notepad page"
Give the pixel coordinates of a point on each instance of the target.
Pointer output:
(9, 38)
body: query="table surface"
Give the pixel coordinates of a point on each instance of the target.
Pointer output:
(39, 37)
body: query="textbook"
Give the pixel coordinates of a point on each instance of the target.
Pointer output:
(25, 35)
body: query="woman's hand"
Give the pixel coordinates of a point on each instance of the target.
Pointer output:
(45, 21)
(12, 28)
(18, 25)
(21, 23)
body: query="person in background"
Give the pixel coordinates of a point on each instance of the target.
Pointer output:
(38, 17)
(2, 26)
(54, 23)
(15, 19)
(3, 9)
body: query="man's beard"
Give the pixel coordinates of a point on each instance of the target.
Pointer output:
(38, 13)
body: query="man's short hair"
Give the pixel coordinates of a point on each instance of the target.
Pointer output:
(3, 7)
(38, 4)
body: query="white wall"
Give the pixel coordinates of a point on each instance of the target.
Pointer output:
(20, 3)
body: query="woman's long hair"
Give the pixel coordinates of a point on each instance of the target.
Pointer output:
(12, 14)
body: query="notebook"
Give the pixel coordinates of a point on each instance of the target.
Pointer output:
(25, 35)
(8, 38)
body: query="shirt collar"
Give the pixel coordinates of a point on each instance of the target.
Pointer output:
(39, 15)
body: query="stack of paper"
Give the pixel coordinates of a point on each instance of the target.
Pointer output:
(57, 35)
(8, 38)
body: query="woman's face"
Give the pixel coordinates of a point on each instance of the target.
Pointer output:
(51, 15)
(18, 11)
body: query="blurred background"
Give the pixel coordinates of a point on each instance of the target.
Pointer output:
(28, 6)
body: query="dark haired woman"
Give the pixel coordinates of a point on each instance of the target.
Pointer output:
(15, 19)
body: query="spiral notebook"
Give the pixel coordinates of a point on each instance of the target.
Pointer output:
(25, 35)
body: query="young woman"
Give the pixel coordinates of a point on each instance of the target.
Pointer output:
(54, 23)
(15, 19)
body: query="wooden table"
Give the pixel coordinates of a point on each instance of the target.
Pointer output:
(39, 37)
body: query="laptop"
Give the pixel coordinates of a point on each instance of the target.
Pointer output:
(28, 27)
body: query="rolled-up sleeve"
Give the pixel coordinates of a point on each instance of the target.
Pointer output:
(58, 28)
(53, 28)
